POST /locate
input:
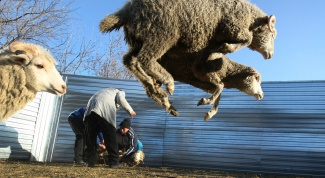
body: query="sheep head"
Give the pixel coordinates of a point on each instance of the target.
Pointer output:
(251, 85)
(39, 66)
(264, 36)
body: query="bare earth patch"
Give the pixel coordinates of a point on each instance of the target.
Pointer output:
(36, 169)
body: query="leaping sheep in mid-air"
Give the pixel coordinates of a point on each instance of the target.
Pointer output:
(213, 76)
(155, 28)
(26, 69)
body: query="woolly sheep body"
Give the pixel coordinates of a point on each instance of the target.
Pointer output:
(26, 69)
(212, 76)
(154, 28)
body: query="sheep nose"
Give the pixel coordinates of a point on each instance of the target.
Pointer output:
(64, 88)
(262, 95)
(268, 55)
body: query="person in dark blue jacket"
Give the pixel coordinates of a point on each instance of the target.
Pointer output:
(76, 122)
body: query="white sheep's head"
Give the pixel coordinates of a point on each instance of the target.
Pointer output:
(137, 158)
(251, 85)
(264, 36)
(39, 66)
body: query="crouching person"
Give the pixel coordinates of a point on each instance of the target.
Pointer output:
(100, 115)
(132, 148)
(76, 122)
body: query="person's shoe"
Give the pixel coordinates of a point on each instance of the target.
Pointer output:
(80, 163)
(90, 164)
(115, 166)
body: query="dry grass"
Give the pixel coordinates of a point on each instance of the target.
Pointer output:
(35, 169)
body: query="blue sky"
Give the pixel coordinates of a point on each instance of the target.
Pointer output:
(299, 45)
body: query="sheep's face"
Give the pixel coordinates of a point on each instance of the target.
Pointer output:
(46, 77)
(263, 38)
(39, 66)
(251, 85)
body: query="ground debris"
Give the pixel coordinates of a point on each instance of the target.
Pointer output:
(24, 169)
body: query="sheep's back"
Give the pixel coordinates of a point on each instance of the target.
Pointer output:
(194, 23)
(190, 20)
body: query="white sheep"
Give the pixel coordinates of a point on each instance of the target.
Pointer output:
(213, 76)
(26, 69)
(157, 28)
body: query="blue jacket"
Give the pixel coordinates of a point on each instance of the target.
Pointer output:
(78, 114)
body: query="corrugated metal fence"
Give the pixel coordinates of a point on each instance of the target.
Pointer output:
(283, 133)
(29, 134)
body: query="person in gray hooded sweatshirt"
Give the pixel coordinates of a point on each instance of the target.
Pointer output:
(101, 116)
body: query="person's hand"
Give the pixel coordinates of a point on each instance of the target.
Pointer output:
(102, 146)
(132, 113)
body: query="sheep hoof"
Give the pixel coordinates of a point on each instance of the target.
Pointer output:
(173, 111)
(170, 88)
(201, 102)
(207, 117)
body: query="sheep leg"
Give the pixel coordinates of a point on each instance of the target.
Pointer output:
(213, 97)
(152, 88)
(132, 64)
(215, 55)
(162, 97)
(213, 110)
(232, 47)
(211, 78)
(239, 38)
(149, 54)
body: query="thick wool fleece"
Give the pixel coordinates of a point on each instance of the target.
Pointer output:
(205, 75)
(191, 23)
(14, 92)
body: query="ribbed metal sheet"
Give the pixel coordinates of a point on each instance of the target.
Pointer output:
(283, 133)
(17, 132)
(27, 134)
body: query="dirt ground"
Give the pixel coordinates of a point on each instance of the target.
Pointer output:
(35, 169)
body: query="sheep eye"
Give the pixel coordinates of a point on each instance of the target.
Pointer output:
(39, 66)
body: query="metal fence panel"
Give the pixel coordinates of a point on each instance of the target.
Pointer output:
(283, 133)
(26, 135)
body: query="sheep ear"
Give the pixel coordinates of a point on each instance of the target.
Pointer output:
(271, 23)
(20, 57)
(253, 73)
(19, 52)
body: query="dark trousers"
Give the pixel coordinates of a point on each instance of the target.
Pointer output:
(78, 129)
(93, 124)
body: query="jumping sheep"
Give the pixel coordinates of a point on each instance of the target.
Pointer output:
(154, 28)
(26, 69)
(212, 76)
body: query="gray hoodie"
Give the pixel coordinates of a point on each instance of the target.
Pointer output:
(106, 102)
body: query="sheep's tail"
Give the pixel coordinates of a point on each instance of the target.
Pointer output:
(110, 23)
